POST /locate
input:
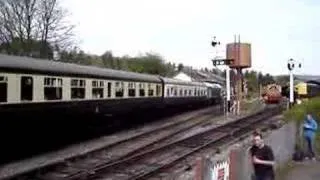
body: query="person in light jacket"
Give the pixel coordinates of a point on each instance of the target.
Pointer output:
(310, 127)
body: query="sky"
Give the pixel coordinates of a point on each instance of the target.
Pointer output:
(181, 31)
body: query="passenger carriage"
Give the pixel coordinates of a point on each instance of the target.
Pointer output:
(49, 87)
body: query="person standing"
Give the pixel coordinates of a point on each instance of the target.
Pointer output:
(252, 151)
(262, 159)
(310, 127)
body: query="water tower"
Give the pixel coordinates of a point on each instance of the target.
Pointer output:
(241, 55)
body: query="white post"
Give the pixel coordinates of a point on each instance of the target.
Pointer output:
(291, 88)
(228, 87)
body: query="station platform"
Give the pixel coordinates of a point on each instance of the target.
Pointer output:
(305, 170)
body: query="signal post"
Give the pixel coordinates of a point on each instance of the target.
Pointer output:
(291, 66)
(226, 62)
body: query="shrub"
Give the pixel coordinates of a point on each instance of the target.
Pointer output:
(298, 112)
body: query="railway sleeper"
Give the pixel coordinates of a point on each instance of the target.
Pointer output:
(52, 176)
(193, 144)
(89, 163)
(70, 170)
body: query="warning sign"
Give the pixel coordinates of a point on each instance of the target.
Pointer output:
(220, 171)
(221, 174)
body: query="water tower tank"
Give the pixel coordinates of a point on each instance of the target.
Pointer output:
(240, 53)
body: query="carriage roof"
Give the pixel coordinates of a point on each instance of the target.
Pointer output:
(31, 65)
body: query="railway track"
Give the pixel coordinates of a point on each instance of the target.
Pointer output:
(149, 161)
(118, 150)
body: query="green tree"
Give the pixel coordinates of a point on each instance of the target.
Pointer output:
(267, 79)
(180, 67)
(282, 80)
(108, 59)
(252, 80)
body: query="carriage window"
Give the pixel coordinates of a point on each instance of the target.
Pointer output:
(175, 92)
(190, 92)
(97, 89)
(3, 89)
(158, 90)
(185, 92)
(109, 89)
(141, 89)
(195, 92)
(150, 90)
(119, 89)
(82, 83)
(132, 89)
(74, 82)
(180, 92)
(26, 88)
(168, 92)
(78, 90)
(52, 88)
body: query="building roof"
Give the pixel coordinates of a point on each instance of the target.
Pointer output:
(213, 85)
(181, 82)
(306, 78)
(316, 81)
(197, 75)
(183, 76)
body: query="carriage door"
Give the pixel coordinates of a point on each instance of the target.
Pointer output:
(3, 89)
(26, 88)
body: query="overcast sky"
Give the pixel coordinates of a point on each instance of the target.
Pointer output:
(181, 30)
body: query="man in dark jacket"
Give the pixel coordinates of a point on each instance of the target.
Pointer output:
(262, 159)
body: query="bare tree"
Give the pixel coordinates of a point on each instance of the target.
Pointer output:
(28, 20)
(53, 27)
(34, 25)
(17, 22)
(6, 23)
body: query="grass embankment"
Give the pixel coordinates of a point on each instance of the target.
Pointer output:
(252, 105)
(298, 114)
